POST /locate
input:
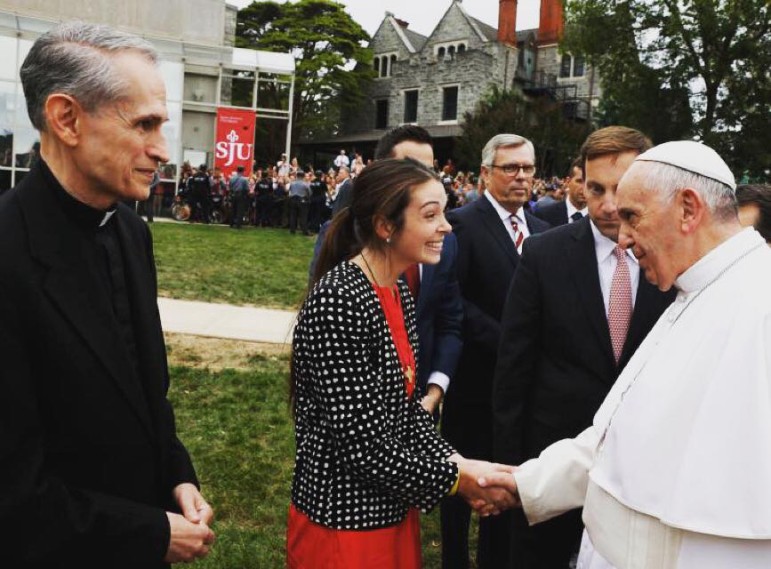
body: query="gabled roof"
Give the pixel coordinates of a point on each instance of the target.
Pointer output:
(475, 24)
(413, 41)
(489, 32)
(417, 40)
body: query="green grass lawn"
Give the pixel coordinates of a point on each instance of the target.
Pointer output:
(236, 425)
(213, 263)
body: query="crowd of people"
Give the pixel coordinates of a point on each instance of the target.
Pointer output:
(604, 350)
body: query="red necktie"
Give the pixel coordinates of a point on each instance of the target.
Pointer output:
(519, 237)
(412, 274)
(620, 304)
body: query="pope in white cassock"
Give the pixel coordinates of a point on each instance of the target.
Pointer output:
(675, 471)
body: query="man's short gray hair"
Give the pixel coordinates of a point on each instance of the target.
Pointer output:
(75, 58)
(503, 141)
(668, 179)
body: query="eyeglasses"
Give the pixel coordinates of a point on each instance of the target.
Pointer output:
(513, 169)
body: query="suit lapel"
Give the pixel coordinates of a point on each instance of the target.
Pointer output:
(583, 260)
(492, 222)
(72, 288)
(426, 280)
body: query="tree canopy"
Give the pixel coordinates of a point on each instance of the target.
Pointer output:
(683, 68)
(542, 121)
(326, 43)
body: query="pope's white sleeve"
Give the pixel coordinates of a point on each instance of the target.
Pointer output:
(556, 481)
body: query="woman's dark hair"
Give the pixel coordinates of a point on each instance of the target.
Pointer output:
(381, 190)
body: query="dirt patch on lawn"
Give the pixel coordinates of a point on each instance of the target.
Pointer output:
(218, 353)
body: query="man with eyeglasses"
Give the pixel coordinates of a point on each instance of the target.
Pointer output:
(576, 312)
(490, 233)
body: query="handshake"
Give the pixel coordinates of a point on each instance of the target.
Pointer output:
(489, 488)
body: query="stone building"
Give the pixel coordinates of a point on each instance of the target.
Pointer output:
(432, 81)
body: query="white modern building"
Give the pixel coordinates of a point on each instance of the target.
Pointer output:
(201, 67)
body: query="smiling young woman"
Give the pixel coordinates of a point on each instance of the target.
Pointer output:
(368, 456)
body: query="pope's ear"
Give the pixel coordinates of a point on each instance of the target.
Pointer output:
(63, 118)
(693, 209)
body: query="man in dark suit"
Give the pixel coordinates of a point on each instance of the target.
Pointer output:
(576, 312)
(92, 473)
(438, 306)
(573, 207)
(490, 234)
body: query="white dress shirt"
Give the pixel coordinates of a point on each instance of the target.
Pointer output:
(505, 216)
(572, 209)
(606, 264)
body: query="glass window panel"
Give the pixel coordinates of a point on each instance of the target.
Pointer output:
(26, 147)
(173, 75)
(172, 131)
(450, 104)
(578, 66)
(381, 113)
(22, 116)
(238, 88)
(7, 102)
(565, 65)
(6, 146)
(411, 106)
(8, 60)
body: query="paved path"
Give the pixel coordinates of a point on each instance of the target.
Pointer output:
(226, 321)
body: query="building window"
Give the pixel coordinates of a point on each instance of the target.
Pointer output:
(451, 51)
(450, 103)
(411, 106)
(440, 53)
(376, 63)
(578, 66)
(461, 48)
(381, 113)
(566, 64)
(391, 65)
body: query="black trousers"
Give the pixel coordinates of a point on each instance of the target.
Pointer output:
(468, 427)
(298, 210)
(239, 208)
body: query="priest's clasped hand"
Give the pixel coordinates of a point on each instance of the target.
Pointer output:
(490, 499)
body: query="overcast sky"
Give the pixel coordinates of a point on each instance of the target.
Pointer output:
(423, 15)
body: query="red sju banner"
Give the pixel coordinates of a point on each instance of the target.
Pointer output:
(235, 140)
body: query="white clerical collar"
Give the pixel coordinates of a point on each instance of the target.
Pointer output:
(502, 212)
(572, 209)
(107, 215)
(604, 246)
(703, 271)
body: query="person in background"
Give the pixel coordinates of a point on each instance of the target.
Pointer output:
(755, 208)
(239, 197)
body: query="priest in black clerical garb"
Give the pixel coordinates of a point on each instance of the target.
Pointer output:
(92, 473)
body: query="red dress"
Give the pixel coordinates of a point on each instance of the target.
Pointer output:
(314, 546)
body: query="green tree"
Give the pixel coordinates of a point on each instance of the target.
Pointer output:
(542, 121)
(680, 68)
(326, 43)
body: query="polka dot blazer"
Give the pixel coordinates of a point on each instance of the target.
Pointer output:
(365, 452)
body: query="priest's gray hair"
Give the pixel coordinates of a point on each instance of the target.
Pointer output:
(669, 179)
(75, 58)
(503, 141)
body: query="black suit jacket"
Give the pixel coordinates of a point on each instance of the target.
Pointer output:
(486, 262)
(88, 455)
(555, 360)
(439, 314)
(555, 214)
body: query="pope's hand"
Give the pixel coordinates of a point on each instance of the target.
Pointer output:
(489, 500)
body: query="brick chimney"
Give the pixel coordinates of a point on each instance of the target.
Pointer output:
(551, 25)
(507, 21)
